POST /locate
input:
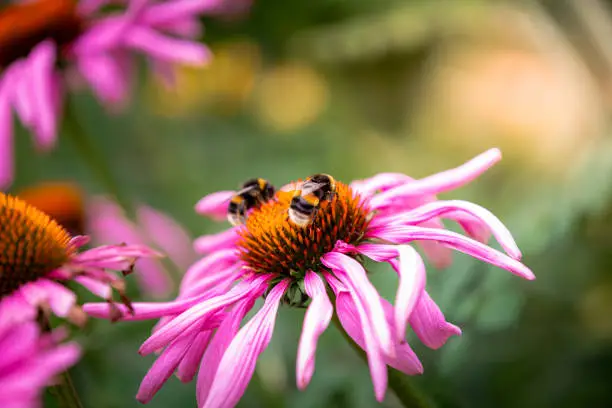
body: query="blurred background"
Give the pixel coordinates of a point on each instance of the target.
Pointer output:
(357, 87)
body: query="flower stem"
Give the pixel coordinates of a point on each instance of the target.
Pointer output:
(65, 393)
(92, 157)
(407, 394)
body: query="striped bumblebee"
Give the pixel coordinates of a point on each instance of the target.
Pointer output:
(306, 201)
(253, 193)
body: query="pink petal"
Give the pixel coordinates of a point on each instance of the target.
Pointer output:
(6, 135)
(440, 182)
(215, 205)
(405, 360)
(190, 362)
(164, 13)
(43, 291)
(361, 330)
(406, 234)
(439, 208)
(429, 323)
(167, 48)
(144, 311)
(164, 71)
(352, 274)
(163, 367)
(109, 76)
(379, 182)
(23, 97)
(215, 242)
(187, 321)
(316, 320)
(238, 363)
(97, 288)
(217, 347)
(411, 285)
(41, 62)
(209, 268)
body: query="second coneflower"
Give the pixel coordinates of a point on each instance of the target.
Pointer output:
(41, 40)
(37, 255)
(299, 266)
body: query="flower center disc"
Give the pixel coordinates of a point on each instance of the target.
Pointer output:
(31, 244)
(23, 25)
(271, 243)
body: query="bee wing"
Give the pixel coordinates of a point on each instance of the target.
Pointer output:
(308, 188)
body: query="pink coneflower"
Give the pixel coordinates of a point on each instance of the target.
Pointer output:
(376, 218)
(30, 361)
(106, 223)
(37, 255)
(41, 39)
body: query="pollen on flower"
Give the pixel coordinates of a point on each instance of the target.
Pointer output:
(271, 243)
(31, 244)
(25, 24)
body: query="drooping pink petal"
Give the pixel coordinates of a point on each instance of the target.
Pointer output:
(412, 278)
(163, 367)
(43, 291)
(187, 321)
(440, 182)
(215, 205)
(167, 48)
(6, 135)
(189, 364)
(214, 242)
(352, 274)
(94, 286)
(406, 234)
(22, 96)
(41, 62)
(360, 328)
(440, 208)
(405, 360)
(429, 323)
(316, 320)
(238, 363)
(217, 347)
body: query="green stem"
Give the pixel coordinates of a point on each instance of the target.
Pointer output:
(65, 393)
(408, 395)
(94, 159)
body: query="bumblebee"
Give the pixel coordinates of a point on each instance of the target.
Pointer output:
(253, 193)
(306, 202)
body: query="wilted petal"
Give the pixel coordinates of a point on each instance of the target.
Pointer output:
(353, 275)
(429, 323)
(238, 363)
(215, 205)
(406, 234)
(316, 320)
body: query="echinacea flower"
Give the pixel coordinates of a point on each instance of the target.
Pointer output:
(37, 256)
(42, 40)
(105, 222)
(30, 360)
(376, 218)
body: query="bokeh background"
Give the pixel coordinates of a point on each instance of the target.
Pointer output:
(356, 87)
